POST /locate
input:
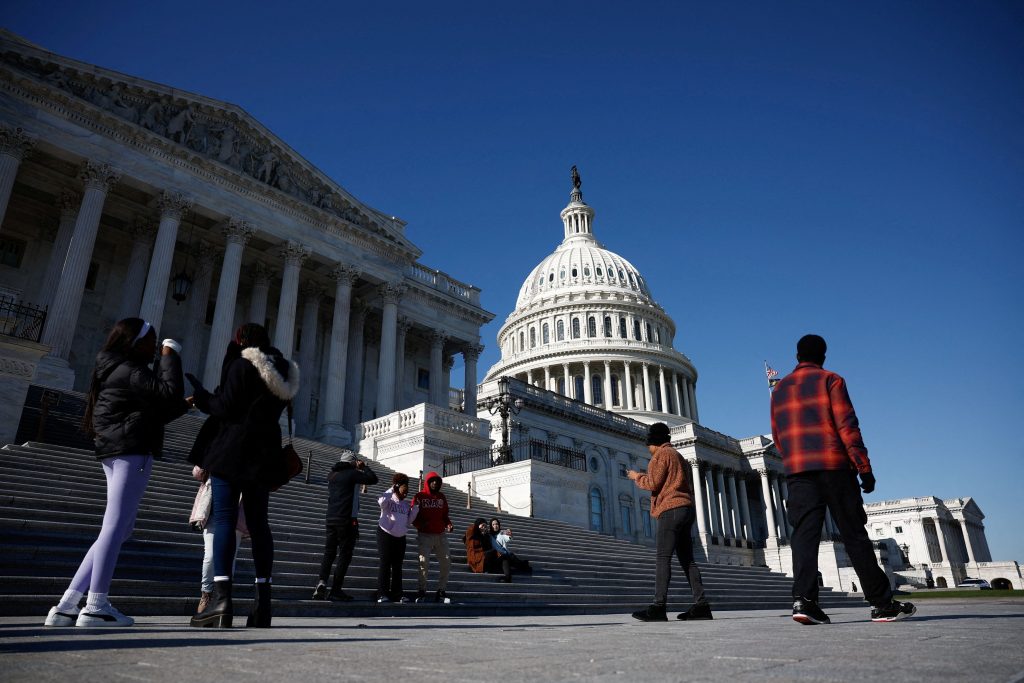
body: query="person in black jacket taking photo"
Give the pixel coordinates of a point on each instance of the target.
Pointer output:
(242, 453)
(128, 404)
(347, 475)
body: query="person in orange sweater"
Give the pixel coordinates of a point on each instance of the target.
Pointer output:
(672, 504)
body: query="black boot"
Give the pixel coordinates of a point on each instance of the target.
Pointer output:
(651, 613)
(219, 616)
(260, 615)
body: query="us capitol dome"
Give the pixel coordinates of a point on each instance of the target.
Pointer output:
(586, 326)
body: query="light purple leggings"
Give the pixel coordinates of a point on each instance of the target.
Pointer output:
(127, 476)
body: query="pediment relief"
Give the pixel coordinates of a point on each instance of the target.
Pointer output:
(217, 131)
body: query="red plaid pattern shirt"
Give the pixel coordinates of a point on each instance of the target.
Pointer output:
(814, 425)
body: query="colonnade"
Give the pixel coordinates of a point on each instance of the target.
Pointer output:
(144, 294)
(627, 385)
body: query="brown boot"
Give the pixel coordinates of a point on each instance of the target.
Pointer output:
(204, 602)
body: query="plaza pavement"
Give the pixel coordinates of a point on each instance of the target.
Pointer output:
(949, 640)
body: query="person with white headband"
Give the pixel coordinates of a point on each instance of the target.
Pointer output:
(128, 404)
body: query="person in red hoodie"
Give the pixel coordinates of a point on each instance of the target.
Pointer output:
(432, 525)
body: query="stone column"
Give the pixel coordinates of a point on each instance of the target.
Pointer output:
(354, 368)
(293, 254)
(647, 393)
(172, 206)
(449, 363)
(627, 390)
(69, 202)
(311, 296)
(142, 234)
(723, 501)
(14, 145)
(966, 531)
(606, 383)
(62, 318)
(940, 533)
(693, 402)
(437, 340)
(567, 379)
(663, 389)
(716, 521)
(745, 509)
(734, 503)
(261, 275)
(698, 493)
(675, 393)
(588, 391)
(470, 355)
(390, 294)
(686, 398)
(783, 522)
(769, 508)
(401, 331)
(237, 233)
(331, 429)
(547, 378)
(198, 300)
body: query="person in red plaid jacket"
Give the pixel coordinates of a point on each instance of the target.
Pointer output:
(816, 431)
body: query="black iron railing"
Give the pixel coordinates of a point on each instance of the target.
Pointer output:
(518, 451)
(23, 321)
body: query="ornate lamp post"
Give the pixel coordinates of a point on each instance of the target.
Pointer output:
(504, 405)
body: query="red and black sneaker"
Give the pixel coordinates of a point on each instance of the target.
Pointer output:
(807, 612)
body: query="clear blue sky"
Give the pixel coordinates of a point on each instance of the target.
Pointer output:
(772, 169)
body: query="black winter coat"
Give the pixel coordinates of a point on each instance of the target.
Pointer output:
(241, 441)
(341, 489)
(134, 403)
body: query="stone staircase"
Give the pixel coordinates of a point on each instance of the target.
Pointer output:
(51, 505)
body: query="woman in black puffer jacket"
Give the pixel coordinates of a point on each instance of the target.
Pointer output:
(128, 405)
(242, 452)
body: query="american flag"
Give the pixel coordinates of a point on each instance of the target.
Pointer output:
(772, 375)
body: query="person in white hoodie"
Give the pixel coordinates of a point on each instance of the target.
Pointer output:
(396, 514)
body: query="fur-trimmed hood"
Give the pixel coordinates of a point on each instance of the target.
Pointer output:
(279, 374)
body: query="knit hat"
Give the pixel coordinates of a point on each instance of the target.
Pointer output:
(347, 456)
(657, 434)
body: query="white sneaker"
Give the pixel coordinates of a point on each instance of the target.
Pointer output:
(56, 617)
(108, 615)
(383, 598)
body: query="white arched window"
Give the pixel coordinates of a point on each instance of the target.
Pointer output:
(615, 392)
(575, 328)
(596, 388)
(560, 330)
(607, 326)
(533, 337)
(591, 327)
(545, 334)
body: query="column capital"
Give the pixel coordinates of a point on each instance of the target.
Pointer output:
(98, 176)
(344, 273)
(448, 363)
(262, 274)
(173, 204)
(471, 352)
(438, 338)
(626, 364)
(15, 142)
(359, 309)
(404, 324)
(69, 202)
(142, 230)
(237, 231)
(294, 253)
(391, 292)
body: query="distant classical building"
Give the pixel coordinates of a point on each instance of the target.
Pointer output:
(928, 542)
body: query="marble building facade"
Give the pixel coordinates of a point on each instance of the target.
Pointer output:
(110, 185)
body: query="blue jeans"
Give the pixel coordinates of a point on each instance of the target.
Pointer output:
(225, 519)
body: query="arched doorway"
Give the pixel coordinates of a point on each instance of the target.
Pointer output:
(1001, 584)
(940, 582)
(596, 510)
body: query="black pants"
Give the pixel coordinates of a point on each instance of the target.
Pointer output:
(496, 563)
(391, 550)
(340, 541)
(674, 536)
(809, 494)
